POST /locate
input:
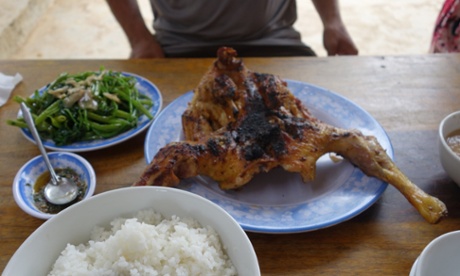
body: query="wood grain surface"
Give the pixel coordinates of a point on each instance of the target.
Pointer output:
(407, 95)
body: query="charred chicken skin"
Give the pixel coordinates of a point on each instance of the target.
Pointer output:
(240, 123)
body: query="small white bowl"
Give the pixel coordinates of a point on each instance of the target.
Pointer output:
(74, 225)
(449, 160)
(440, 257)
(27, 176)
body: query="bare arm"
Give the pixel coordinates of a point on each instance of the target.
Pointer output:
(128, 15)
(336, 39)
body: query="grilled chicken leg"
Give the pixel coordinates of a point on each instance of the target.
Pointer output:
(240, 123)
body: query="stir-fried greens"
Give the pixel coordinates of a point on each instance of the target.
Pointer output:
(86, 106)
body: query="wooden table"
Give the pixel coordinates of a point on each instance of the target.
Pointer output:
(407, 95)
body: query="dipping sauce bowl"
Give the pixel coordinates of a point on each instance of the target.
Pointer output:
(449, 159)
(31, 173)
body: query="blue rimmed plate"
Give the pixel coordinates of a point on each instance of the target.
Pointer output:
(278, 201)
(145, 87)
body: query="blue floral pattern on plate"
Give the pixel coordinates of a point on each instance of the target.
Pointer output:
(145, 87)
(278, 201)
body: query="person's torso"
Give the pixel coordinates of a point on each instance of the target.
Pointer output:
(199, 21)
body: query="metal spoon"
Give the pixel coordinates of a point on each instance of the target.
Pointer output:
(59, 190)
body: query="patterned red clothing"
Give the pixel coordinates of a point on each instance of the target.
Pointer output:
(446, 35)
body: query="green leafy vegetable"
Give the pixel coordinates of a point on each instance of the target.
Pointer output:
(86, 106)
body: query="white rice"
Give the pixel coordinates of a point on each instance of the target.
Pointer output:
(147, 244)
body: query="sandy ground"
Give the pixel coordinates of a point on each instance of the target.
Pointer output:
(86, 29)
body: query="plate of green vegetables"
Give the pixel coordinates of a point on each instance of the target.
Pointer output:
(91, 110)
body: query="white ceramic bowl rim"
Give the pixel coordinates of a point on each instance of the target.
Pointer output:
(442, 134)
(19, 190)
(432, 251)
(51, 237)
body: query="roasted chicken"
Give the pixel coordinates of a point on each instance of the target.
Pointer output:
(240, 123)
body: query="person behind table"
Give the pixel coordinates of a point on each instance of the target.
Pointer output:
(197, 28)
(446, 34)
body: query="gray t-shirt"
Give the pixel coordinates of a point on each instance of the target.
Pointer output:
(181, 25)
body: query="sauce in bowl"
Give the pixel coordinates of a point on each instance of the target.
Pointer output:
(453, 141)
(39, 198)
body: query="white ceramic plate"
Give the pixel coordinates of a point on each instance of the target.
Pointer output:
(145, 87)
(74, 225)
(278, 201)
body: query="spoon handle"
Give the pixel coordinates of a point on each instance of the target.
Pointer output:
(30, 123)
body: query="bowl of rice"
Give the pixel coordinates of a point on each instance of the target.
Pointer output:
(138, 231)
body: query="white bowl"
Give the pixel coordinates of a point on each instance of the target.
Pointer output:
(74, 225)
(440, 257)
(449, 160)
(27, 176)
